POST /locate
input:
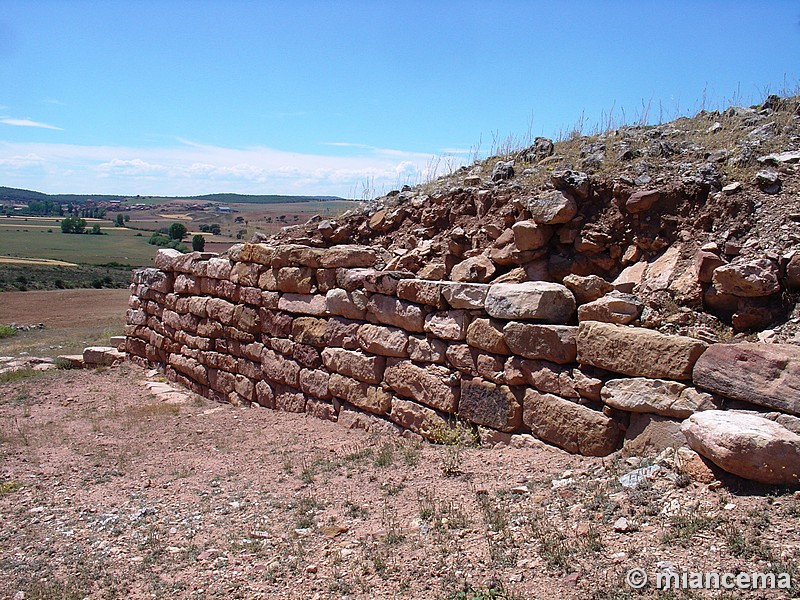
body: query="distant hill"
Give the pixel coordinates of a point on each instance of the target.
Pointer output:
(24, 196)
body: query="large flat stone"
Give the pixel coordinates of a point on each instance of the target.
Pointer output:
(763, 374)
(431, 385)
(386, 341)
(371, 398)
(571, 426)
(555, 343)
(636, 351)
(352, 363)
(539, 300)
(399, 313)
(657, 396)
(746, 445)
(489, 404)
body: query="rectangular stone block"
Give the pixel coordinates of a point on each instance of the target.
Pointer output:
(422, 420)
(421, 291)
(555, 343)
(304, 304)
(760, 373)
(368, 397)
(636, 351)
(489, 404)
(355, 364)
(386, 341)
(448, 325)
(351, 305)
(399, 313)
(573, 427)
(432, 385)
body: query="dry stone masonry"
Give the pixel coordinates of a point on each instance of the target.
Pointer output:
(327, 331)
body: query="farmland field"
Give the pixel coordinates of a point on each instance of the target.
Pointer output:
(43, 239)
(29, 244)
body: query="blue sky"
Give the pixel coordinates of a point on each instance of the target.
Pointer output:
(338, 97)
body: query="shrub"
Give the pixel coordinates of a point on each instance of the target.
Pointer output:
(177, 231)
(198, 243)
(6, 331)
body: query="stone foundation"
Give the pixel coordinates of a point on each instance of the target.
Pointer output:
(324, 331)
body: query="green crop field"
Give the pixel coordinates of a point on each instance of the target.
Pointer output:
(42, 238)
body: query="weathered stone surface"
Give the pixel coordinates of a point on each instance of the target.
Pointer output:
(348, 255)
(464, 295)
(477, 269)
(321, 409)
(552, 208)
(264, 395)
(614, 307)
(793, 272)
(587, 288)
(393, 311)
(273, 323)
(448, 325)
(659, 396)
(351, 305)
(749, 279)
(543, 375)
(486, 403)
(649, 435)
(528, 235)
(355, 364)
(279, 369)
(309, 330)
(704, 264)
(295, 255)
(289, 400)
(304, 304)
(165, 258)
(573, 427)
(642, 200)
(369, 397)
(219, 268)
(306, 356)
(246, 274)
(186, 284)
(746, 445)
(575, 182)
(245, 318)
(540, 300)
(422, 349)
(257, 253)
(636, 351)
(220, 310)
(762, 374)
(420, 419)
(421, 291)
(341, 333)
(555, 343)
(386, 341)
(487, 334)
(314, 382)
(432, 385)
(297, 280)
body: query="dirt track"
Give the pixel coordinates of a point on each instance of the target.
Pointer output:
(64, 309)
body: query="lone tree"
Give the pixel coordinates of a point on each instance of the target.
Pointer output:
(120, 220)
(198, 243)
(73, 225)
(177, 231)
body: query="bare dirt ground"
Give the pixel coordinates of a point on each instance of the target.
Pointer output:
(108, 491)
(73, 319)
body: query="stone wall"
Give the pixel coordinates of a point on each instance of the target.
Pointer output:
(327, 332)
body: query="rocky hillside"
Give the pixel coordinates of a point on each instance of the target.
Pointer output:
(690, 227)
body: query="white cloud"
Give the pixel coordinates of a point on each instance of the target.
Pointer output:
(19, 162)
(194, 168)
(28, 123)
